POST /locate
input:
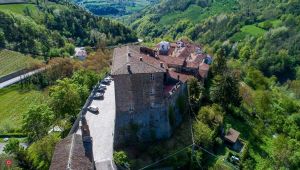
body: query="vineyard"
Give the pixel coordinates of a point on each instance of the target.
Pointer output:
(11, 61)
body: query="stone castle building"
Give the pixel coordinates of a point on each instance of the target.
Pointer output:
(149, 85)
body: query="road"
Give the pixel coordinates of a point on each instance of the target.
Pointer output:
(102, 128)
(19, 78)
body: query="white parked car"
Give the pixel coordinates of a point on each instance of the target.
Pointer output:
(5, 139)
(98, 96)
(93, 109)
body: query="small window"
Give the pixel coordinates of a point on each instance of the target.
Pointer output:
(151, 77)
(152, 92)
(131, 108)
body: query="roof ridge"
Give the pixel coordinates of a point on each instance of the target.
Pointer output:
(70, 153)
(146, 62)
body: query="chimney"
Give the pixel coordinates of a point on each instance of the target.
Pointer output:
(178, 77)
(161, 64)
(129, 54)
(128, 67)
(141, 58)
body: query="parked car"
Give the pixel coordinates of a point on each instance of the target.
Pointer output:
(109, 78)
(102, 86)
(5, 139)
(94, 109)
(106, 81)
(98, 96)
(100, 89)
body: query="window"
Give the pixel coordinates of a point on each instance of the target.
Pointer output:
(131, 108)
(151, 77)
(152, 91)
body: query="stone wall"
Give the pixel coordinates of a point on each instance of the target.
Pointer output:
(137, 92)
(147, 123)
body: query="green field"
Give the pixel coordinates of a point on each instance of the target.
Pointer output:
(196, 13)
(253, 30)
(14, 102)
(11, 61)
(18, 8)
(248, 30)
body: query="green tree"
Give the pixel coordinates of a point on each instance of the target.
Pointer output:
(219, 65)
(121, 159)
(286, 153)
(195, 92)
(203, 134)
(41, 151)
(225, 90)
(256, 79)
(13, 146)
(212, 115)
(37, 121)
(65, 99)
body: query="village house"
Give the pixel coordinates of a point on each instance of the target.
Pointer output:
(80, 53)
(148, 85)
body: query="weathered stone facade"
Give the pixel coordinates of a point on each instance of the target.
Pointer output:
(142, 114)
(142, 101)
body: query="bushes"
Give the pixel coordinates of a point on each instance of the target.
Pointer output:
(121, 159)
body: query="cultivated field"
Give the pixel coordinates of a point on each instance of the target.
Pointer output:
(11, 61)
(13, 102)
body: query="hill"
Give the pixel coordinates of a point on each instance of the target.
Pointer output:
(52, 29)
(255, 26)
(115, 8)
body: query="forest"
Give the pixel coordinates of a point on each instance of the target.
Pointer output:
(253, 84)
(53, 29)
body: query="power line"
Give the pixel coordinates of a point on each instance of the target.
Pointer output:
(166, 157)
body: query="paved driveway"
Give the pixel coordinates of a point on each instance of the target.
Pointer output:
(19, 78)
(102, 127)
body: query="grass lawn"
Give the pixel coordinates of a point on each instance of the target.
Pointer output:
(253, 30)
(11, 61)
(196, 13)
(14, 102)
(18, 8)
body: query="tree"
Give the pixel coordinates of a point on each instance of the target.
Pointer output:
(286, 153)
(211, 115)
(225, 90)
(203, 134)
(37, 121)
(65, 99)
(256, 79)
(13, 146)
(41, 152)
(121, 159)
(195, 92)
(219, 65)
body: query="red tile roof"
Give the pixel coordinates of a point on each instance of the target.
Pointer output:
(182, 77)
(232, 135)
